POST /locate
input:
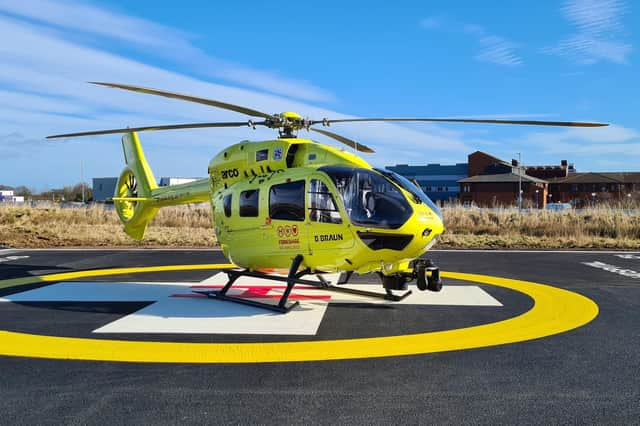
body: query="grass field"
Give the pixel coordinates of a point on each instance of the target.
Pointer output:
(600, 227)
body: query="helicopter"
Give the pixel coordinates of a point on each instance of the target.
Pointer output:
(295, 206)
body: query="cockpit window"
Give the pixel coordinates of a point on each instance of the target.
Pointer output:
(322, 207)
(369, 198)
(411, 188)
(286, 201)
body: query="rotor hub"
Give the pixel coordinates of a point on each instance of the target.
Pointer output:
(288, 123)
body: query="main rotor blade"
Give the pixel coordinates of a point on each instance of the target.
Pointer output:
(152, 128)
(210, 102)
(349, 142)
(469, 120)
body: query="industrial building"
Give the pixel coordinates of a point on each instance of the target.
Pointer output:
(169, 181)
(104, 188)
(439, 182)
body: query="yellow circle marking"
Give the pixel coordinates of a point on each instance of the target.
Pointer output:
(555, 311)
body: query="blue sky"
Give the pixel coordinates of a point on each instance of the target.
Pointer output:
(569, 60)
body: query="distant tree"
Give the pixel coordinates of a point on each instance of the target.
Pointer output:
(74, 193)
(23, 191)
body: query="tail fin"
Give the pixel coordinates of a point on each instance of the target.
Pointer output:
(133, 195)
(136, 161)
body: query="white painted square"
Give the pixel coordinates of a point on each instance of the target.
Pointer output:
(210, 316)
(178, 310)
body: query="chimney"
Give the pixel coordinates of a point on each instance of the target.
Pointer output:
(514, 163)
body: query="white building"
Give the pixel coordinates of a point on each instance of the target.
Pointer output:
(169, 181)
(6, 196)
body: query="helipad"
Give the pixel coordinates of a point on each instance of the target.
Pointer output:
(174, 309)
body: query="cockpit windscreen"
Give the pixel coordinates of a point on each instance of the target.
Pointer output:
(369, 198)
(413, 189)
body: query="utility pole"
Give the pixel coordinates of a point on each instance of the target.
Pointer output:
(519, 183)
(82, 179)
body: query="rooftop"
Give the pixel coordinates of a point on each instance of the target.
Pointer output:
(501, 178)
(605, 177)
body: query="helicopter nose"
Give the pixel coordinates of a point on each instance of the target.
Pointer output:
(433, 228)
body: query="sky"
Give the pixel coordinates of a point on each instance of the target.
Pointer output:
(544, 60)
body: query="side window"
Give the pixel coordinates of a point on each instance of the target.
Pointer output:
(249, 203)
(286, 201)
(226, 203)
(322, 206)
(262, 155)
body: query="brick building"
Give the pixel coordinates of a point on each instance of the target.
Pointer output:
(495, 182)
(502, 189)
(584, 189)
(550, 172)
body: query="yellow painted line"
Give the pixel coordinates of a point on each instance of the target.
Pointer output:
(107, 272)
(555, 311)
(20, 281)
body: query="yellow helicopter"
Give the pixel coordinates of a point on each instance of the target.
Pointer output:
(295, 205)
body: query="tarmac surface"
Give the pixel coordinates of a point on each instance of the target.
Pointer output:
(586, 375)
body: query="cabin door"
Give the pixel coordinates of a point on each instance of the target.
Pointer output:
(328, 230)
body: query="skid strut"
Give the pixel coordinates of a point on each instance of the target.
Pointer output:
(234, 274)
(294, 277)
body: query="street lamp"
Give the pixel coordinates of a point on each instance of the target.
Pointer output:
(519, 183)
(537, 204)
(593, 199)
(520, 199)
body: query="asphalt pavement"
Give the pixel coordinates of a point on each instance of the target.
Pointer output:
(586, 375)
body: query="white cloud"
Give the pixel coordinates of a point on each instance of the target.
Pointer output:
(594, 16)
(498, 51)
(631, 151)
(69, 17)
(42, 91)
(598, 32)
(494, 49)
(597, 135)
(616, 146)
(82, 17)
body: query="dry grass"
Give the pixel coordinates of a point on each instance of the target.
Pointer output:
(191, 227)
(600, 227)
(97, 226)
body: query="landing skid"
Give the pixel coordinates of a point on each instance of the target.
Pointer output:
(293, 278)
(326, 285)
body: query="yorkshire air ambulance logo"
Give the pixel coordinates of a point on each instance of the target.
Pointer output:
(288, 237)
(288, 231)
